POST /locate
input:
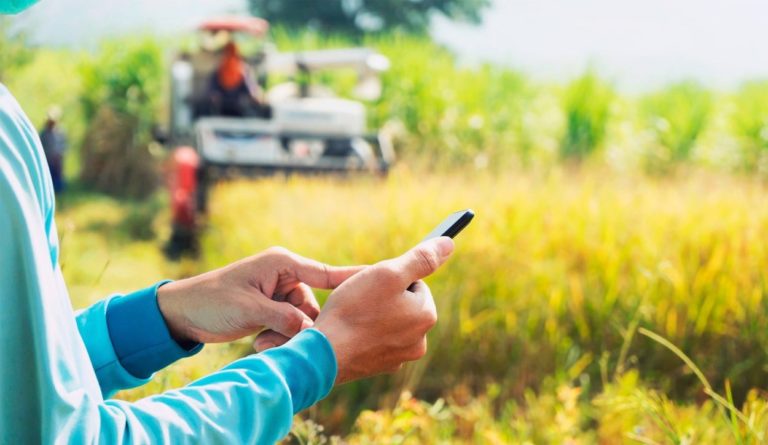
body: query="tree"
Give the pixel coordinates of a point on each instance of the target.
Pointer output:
(359, 16)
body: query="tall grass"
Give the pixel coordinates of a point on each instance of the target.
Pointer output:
(125, 75)
(586, 105)
(120, 100)
(750, 125)
(677, 116)
(548, 278)
(535, 339)
(456, 113)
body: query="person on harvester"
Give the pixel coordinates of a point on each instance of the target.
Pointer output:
(232, 90)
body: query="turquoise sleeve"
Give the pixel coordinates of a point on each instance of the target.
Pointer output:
(140, 336)
(127, 340)
(250, 401)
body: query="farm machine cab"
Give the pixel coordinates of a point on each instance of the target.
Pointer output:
(296, 128)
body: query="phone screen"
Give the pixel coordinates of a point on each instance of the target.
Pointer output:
(452, 225)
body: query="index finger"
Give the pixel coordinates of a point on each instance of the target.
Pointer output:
(420, 290)
(320, 275)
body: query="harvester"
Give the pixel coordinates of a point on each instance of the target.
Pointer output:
(297, 128)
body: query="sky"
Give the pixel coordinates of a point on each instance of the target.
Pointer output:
(638, 44)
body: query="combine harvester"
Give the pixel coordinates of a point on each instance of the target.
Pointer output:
(299, 128)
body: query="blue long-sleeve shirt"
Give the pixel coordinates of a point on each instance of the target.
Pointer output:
(58, 368)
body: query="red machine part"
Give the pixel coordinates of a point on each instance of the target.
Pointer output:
(183, 186)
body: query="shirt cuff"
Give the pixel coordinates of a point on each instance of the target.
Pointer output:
(112, 376)
(140, 336)
(308, 364)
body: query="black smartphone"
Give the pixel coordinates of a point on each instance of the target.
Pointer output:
(452, 225)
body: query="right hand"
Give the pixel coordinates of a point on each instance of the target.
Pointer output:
(378, 318)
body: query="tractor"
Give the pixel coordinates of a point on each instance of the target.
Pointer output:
(297, 128)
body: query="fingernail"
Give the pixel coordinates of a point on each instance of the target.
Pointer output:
(307, 323)
(444, 246)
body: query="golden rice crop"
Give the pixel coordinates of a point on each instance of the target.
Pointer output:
(544, 295)
(550, 278)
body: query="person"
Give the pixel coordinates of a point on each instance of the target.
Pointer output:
(60, 368)
(54, 145)
(231, 90)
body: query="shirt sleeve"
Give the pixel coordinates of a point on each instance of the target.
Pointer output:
(128, 340)
(139, 334)
(251, 401)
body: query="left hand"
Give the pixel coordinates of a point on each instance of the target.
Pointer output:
(270, 290)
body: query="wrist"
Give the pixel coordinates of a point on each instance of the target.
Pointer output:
(139, 333)
(168, 301)
(335, 340)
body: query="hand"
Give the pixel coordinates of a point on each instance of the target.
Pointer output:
(378, 319)
(271, 289)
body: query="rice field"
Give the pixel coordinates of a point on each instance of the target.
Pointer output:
(547, 309)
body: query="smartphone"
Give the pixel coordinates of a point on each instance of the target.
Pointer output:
(452, 225)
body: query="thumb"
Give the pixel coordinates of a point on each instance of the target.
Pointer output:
(285, 318)
(423, 260)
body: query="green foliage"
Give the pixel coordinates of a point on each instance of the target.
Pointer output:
(122, 92)
(586, 104)
(357, 17)
(455, 113)
(750, 125)
(14, 52)
(125, 75)
(677, 116)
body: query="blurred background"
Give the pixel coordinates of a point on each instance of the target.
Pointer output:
(613, 287)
